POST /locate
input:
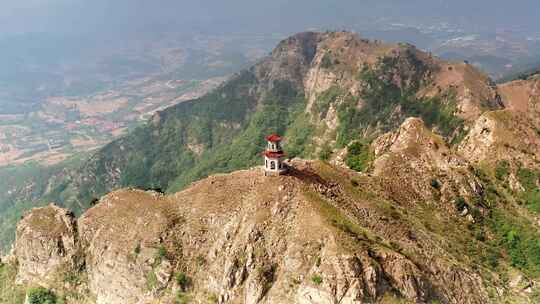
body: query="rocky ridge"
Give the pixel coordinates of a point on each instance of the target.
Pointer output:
(47, 245)
(261, 240)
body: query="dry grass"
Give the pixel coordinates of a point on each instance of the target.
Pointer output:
(9, 292)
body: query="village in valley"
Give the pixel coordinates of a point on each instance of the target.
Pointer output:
(66, 125)
(118, 89)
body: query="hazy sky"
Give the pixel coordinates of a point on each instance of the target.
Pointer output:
(259, 15)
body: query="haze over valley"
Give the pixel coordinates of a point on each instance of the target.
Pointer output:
(140, 58)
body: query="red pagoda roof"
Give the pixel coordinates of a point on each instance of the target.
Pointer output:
(273, 138)
(271, 154)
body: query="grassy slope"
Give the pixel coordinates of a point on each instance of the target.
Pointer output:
(20, 187)
(227, 125)
(9, 292)
(498, 242)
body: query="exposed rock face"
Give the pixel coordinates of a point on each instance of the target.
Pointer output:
(121, 237)
(246, 238)
(288, 62)
(340, 57)
(46, 246)
(413, 150)
(503, 135)
(523, 96)
(475, 92)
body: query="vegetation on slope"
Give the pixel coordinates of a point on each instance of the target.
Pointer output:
(358, 156)
(509, 229)
(41, 295)
(389, 102)
(530, 179)
(9, 292)
(20, 187)
(220, 132)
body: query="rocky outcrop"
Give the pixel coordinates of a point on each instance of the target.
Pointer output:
(414, 150)
(47, 245)
(246, 238)
(512, 134)
(473, 90)
(523, 96)
(503, 135)
(122, 238)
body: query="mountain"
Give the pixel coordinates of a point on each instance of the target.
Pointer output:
(308, 89)
(426, 192)
(321, 90)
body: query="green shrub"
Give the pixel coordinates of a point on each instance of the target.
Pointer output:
(183, 281)
(435, 184)
(492, 258)
(327, 61)
(476, 214)
(41, 295)
(73, 278)
(151, 280)
(460, 203)
(480, 236)
(529, 179)
(325, 153)
(10, 293)
(201, 261)
(317, 279)
(162, 252)
(182, 298)
(521, 241)
(502, 169)
(213, 298)
(358, 156)
(535, 296)
(458, 136)
(137, 249)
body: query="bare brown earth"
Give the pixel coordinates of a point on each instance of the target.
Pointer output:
(512, 134)
(523, 96)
